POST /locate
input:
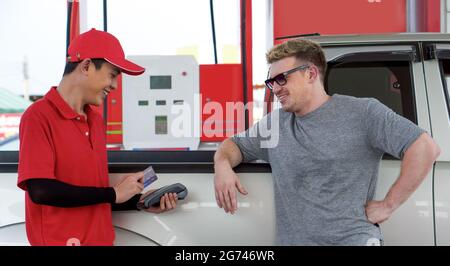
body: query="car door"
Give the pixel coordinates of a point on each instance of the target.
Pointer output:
(394, 75)
(437, 73)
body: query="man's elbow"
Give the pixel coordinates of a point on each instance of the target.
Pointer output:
(433, 149)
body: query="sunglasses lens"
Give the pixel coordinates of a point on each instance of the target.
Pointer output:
(280, 79)
(269, 83)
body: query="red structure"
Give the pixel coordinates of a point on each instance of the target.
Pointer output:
(294, 17)
(221, 83)
(433, 15)
(74, 7)
(224, 84)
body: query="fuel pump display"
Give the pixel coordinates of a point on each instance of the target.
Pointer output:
(161, 109)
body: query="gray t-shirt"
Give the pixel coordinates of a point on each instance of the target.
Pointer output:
(325, 166)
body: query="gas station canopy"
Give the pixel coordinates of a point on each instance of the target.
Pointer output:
(12, 103)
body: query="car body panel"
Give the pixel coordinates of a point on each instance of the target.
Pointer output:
(439, 111)
(198, 220)
(412, 223)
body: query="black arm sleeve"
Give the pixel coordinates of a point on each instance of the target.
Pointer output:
(128, 205)
(59, 194)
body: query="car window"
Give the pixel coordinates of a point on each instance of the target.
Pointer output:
(389, 82)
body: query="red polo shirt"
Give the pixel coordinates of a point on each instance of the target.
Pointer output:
(57, 143)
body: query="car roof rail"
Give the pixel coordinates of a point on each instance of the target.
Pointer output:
(298, 36)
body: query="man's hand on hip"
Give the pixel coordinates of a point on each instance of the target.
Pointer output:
(378, 211)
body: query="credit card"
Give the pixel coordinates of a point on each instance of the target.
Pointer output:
(149, 176)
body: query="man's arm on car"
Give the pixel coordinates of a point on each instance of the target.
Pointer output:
(226, 181)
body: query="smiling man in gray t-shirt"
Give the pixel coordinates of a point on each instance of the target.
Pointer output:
(325, 152)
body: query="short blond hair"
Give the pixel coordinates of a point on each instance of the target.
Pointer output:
(302, 49)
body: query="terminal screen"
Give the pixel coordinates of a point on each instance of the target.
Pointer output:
(160, 82)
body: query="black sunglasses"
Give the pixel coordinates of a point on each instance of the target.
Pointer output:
(280, 79)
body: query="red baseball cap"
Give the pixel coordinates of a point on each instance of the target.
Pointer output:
(100, 44)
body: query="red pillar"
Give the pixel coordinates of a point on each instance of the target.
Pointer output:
(246, 5)
(433, 16)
